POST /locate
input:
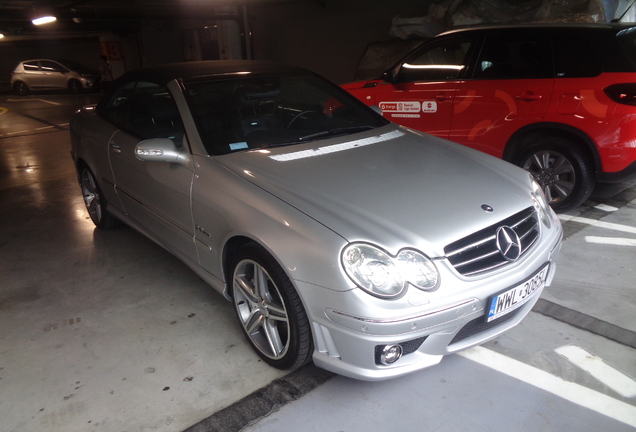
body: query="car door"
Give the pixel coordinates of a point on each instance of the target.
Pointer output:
(32, 74)
(421, 92)
(509, 87)
(154, 194)
(53, 74)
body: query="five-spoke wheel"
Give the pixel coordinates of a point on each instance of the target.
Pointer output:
(269, 309)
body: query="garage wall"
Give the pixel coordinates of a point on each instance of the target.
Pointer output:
(328, 37)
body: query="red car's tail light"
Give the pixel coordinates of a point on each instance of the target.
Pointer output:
(622, 93)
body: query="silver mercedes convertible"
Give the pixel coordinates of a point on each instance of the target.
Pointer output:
(339, 237)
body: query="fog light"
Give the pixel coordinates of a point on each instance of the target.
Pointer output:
(391, 354)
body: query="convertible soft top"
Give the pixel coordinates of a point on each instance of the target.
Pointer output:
(193, 71)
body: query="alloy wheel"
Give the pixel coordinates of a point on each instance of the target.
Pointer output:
(554, 172)
(91, 196)
(261, 309)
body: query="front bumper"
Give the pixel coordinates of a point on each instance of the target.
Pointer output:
(347, 343)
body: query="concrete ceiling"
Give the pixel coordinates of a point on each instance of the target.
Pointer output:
(87, 16)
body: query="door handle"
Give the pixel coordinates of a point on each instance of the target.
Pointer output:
(115, 148)
(441, 96)
(528, 96)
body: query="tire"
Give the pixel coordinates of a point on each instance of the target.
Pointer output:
(269, 309)
(95, 202)
(74, 86)
(563, 170)
(21, 88)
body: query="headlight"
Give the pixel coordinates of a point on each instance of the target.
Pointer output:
(540, 202)
(385, 276)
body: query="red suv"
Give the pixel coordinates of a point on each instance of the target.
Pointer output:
(557, 100)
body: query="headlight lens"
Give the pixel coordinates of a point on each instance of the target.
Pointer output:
(540, 202)
(382, 275)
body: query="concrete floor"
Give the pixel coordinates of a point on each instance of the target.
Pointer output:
(101, 330)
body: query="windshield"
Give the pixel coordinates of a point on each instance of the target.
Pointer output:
(258, 112)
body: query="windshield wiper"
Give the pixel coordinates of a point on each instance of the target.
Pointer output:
(337, 131)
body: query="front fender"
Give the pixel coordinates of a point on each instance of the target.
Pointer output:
(226, 206)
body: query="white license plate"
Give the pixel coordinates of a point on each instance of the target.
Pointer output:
(515, 297)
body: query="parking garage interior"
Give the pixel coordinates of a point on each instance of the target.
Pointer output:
(108, 332)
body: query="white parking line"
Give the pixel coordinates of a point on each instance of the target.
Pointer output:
(615, 241)
(570, 391)
(595, 366)
(597, 223)
(605, 207)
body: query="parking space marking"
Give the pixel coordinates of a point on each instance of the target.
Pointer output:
(31, 100)
(605, 207)
(597, 223)
(575, 393)
(3, 110)
(615, 241)
(595, 366)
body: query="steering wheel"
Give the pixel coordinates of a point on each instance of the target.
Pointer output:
(299, 115)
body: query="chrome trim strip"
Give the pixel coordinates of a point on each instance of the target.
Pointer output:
(470, 246)
(479, 258)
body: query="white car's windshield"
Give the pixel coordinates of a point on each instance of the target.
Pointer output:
(264, 111)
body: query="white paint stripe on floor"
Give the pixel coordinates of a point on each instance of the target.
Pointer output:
(44, 127)
(616, 241)
(605, 207)
(595, 366)
(49, 102)
(597, 223)
(572, 392)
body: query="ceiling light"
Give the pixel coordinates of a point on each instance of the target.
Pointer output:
(44, 20)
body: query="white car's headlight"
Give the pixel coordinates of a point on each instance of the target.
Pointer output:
(383, 275)
(540, 202)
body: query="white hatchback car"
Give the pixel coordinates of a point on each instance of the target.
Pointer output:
(339, 236)
(45, 74)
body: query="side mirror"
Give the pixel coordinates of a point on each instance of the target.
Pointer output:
(160, 150)
(390, 75)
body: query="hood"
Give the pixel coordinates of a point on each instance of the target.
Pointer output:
(391, 186)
